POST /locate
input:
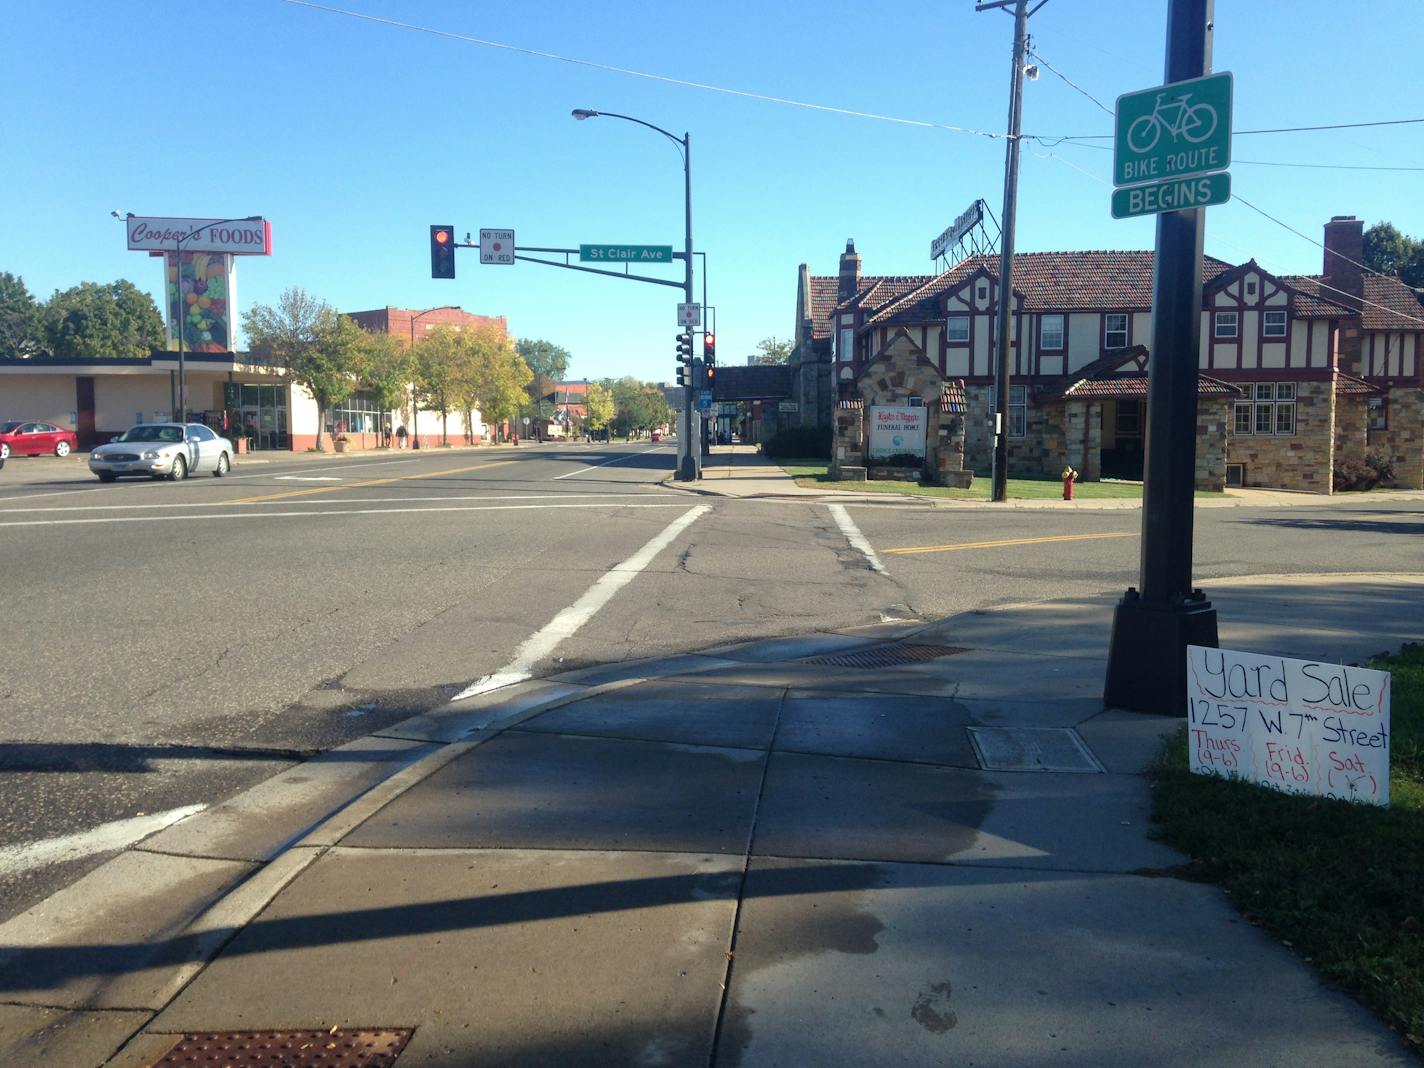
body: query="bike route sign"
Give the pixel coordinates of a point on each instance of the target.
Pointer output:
(1171, 132)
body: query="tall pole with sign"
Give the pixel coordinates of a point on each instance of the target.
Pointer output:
(1153, 626)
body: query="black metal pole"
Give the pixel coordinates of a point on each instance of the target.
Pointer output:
(1151, 629)
(690, 458)
(1000, 471)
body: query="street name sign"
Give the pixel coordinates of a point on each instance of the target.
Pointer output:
(625, 253)
(689, 315)
(497, 246)
(1173, 131)
(1173, 195)
(1298, 726)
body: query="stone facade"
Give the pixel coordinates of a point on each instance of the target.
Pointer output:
(1351, 426)
(1213, 418)
(1403, 440)
(1300, 461)
(901, 373)
(1073, 437)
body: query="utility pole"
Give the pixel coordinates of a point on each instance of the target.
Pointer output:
(1000, 342)
(1147, 660)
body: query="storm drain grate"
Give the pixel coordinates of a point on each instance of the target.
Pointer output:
(887, 657)
(289, 1049)
(1032, 749)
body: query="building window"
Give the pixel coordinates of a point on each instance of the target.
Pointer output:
(357, 414)
(1018, 411)
(1274, 324)
(983, 291)
(1268, 410)
(1050, 332)
(1114, 331)
(958, 329)
(1378, 413)
(847, 345)
(1224, 325)
(1129, 418)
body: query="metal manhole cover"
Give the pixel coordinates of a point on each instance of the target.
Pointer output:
(887, 657)
(337, 1048)
(1032, 749)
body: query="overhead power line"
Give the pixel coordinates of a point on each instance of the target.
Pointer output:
(1049, 141)
(666, 79)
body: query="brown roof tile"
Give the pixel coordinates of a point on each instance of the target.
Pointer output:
(1350, 385)
(1401, 307)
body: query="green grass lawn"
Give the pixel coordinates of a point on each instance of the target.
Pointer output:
(812, 474)
(1340, 883)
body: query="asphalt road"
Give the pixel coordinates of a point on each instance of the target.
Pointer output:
(167, 645)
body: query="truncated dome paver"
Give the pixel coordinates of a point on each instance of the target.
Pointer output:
(337, 1048)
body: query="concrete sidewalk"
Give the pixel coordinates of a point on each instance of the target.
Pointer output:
(905, 844)
(741, 471)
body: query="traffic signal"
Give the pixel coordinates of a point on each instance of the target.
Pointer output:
(442, 252)
(684, 374)
(709, 350)
(684, 347)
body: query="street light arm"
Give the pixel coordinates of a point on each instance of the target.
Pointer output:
(585, 113)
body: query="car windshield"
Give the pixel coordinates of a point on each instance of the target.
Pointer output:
(5, 428)
(152, 433)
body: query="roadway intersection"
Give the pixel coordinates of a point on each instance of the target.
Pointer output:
(169, 645)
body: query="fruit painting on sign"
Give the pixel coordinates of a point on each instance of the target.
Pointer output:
(199, 286)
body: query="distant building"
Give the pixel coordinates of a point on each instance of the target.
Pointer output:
(410, 323)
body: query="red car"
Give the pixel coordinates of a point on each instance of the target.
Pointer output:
(37, 439)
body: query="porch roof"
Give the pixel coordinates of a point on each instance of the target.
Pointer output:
(1105, 378)
(1349, 385)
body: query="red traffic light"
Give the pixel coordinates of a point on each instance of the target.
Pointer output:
(442, 251)
(442, 237)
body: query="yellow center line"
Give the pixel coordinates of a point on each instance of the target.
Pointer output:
(910, 549)
(369, 482)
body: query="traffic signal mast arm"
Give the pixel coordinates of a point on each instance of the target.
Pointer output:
(567, 252)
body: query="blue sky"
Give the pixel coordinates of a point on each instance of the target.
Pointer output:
(353, 137)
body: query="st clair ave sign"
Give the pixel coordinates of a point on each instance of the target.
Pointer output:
(1170, 144)
(244, 238)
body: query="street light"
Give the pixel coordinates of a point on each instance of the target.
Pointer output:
(415, 400)
(684, 143)
(178, 283)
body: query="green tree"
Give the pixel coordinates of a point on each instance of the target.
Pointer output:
(774, 350)
(19, 317)
(439, 369)
(639, 406)
(1391, 252)
(322, 351)
(387, 367)
(93, 320)
(545, 358)
(599, 408)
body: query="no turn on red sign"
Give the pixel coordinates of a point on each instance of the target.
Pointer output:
(497, 246)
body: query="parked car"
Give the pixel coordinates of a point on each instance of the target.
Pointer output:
(37, 439)
(163, 450)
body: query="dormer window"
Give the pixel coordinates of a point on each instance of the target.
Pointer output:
(957, 329)
(1224, 325)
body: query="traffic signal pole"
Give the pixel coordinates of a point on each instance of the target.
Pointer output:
(691, 461)
(1147, 659)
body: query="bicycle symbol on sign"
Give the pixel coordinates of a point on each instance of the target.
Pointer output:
(1192, 123)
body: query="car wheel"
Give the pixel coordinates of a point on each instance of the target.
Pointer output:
(180, 470)
(61, 448)
(224, 466)
(107, 476)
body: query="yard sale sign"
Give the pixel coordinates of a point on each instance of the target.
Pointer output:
(1299, 726)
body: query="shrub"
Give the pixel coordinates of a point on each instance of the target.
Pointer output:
(1384, 467)
(899, 459)
(799, 441)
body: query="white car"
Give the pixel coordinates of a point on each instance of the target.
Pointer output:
(163, 450)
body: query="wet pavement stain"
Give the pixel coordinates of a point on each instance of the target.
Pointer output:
(931, 1009)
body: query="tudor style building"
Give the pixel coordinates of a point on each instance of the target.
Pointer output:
(1295, 371)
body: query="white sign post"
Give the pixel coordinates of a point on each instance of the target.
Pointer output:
(897, 430)
(1299, 726)
(497, 246)
(689, 315)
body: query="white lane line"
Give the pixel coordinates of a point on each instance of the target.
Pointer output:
(308, 478)
(566, 623)
(104, 838)
(317, 502)
(312, 514)
(855, 537)
(615, 460)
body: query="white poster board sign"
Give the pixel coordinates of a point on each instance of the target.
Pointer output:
(1299, 726)
(896, 430)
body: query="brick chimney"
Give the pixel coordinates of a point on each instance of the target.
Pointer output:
(850, 272)
(1344, 252)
